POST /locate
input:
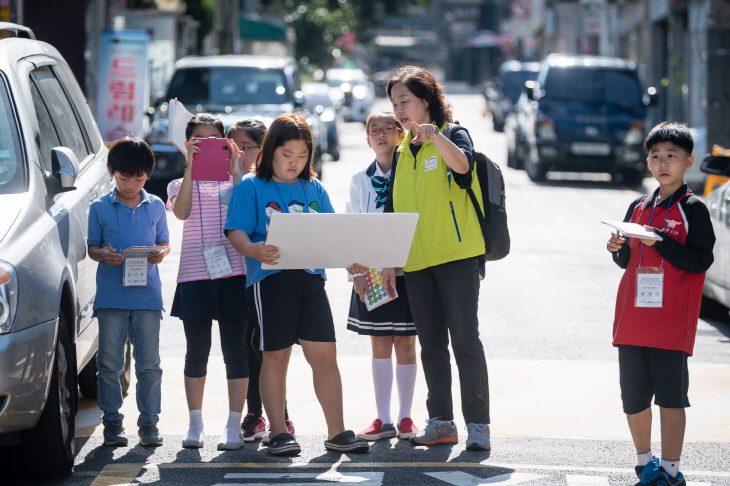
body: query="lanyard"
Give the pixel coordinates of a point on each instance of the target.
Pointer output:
(284, 205)
(200, 212)
(152, 231)
(666, 215)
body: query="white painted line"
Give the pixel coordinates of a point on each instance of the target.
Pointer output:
(458, 478)
(583, 480)
(698, 483)
(365, 478)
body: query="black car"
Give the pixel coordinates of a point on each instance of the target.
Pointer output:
(586, 114)
(502, 93)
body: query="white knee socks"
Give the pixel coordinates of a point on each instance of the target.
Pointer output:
(405, 376)
(383, 381)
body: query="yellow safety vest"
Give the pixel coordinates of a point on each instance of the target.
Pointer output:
(448, 228)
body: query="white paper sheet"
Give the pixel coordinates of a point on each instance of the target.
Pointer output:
(339, 240)
(178, 118)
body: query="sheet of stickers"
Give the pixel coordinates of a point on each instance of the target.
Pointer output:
(377, 297)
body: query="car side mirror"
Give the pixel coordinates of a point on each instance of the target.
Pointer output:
(716, 164)
(298, 99)
(65, 169)
(530, 89)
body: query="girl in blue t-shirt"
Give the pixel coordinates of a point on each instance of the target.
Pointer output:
(291, 306)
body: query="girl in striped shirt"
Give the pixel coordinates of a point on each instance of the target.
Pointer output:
(210, 284)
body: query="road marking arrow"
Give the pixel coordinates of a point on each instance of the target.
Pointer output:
(458, 478)
(584, 480)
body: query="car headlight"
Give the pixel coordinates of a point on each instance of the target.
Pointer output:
(8, 296)
(327, 115)
(359, 92)
(159, 132)
(635, 135)
(546, 129)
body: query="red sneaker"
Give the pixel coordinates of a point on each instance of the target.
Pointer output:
(407, 429)
(378, 430)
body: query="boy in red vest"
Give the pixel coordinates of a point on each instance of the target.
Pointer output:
(658, 302)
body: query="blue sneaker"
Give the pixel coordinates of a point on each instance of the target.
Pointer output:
(647, 469)
(114, 434)
(660, 477)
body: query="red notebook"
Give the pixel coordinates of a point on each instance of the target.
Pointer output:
(211, 163)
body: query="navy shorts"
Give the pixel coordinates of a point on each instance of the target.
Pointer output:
(652, 372)
(290, 305)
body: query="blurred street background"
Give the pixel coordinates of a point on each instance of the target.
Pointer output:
(546, 311)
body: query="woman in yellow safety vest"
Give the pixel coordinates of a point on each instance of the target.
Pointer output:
(442, 272)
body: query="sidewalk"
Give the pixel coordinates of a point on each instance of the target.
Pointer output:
(564, 399)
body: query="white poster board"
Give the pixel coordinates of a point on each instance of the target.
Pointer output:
(339, 240)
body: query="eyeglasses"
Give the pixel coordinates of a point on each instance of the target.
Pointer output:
(374, 132)
(246, 149)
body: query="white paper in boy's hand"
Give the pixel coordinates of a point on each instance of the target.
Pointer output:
(633, 230)
(178, 118)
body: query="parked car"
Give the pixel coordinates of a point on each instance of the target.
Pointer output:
(502, 93)
(587, 114)
(716, 291)
(516, 132)
(231, 87)
(52, 165)
(359, 93)
(317, 96)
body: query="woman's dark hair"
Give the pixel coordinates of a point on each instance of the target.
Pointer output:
(283, 129)
(673, 132)
(424, 86)
(255, 129)
(204, 119)
(131, 157)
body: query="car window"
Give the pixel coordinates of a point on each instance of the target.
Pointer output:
(593, 86)
(513, 82)
(229, 86)
(82, 108)
(47, 134)
(12, 162)
(61, 111)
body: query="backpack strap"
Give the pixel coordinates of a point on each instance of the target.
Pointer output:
(484, 217)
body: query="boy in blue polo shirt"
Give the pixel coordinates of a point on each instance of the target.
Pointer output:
(125, 217)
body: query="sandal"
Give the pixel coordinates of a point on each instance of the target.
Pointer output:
(346, 442)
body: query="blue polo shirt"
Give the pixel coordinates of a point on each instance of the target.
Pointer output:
(112, 221)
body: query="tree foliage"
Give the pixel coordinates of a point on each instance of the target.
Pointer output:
(324, 25)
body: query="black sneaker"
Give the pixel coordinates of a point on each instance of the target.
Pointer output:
(114, 434)
(346, 442)
(149, 436)
(284, 445)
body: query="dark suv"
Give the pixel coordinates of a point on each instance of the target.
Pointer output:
(586, 114)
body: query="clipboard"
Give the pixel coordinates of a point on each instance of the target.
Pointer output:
(633, 230)
(309, 241)
(141, 251)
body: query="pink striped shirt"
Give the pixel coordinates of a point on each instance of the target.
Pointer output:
(192, 262)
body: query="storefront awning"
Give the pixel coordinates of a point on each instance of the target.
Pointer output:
(254, 27)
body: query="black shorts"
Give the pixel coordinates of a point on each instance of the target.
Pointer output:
(652, 372)
(288, 306)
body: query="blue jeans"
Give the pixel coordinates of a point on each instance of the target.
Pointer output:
(143, 328)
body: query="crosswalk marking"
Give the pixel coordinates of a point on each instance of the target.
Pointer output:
(364, 478)
(458, 478)
(583, 480)
(698, 483)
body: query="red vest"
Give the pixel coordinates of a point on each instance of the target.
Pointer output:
(673, 326)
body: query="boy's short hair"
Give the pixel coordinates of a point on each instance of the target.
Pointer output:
(131, 156)
(672, 132)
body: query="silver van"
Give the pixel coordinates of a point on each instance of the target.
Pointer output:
(52, 165)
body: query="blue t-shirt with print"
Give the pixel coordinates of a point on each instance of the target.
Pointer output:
(113, 222)
(253, 202)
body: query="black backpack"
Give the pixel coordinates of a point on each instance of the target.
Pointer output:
(494, 220)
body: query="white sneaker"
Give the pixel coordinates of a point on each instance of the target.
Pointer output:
(231, 439)
(194, 438)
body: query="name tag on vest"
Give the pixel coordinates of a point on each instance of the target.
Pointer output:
(431, 163)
